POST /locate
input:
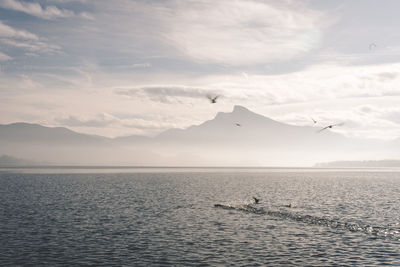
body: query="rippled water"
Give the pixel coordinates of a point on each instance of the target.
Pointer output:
(192, 217)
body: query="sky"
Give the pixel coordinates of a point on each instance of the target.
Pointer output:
(116, 68)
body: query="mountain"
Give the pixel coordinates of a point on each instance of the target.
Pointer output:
(8, 161)
(131, 139)
(35, 133)
(261, 141)
(360, 164)
(254, 130)
(237, 138)
(58, 145)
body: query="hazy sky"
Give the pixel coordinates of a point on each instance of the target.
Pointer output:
(140, 67)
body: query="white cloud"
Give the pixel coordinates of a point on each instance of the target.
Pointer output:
(361, 121)
(24, 40)
(367, 121)
(35, 9)
(316, 83)
(4, 57)
(141, 65)
(241, 32)
(9, 32)
(166, 93)
(87, 15)
(389, 115)
(36, 46)
(135, 125)
(101, 120)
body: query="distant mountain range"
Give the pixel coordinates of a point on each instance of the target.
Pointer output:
(8, 161)
(360, 164)
(237, 138)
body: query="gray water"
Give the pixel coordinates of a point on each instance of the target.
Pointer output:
(199, 217)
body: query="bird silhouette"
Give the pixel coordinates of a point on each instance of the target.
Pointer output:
(371, 46)
(238, 124)
(256, 200)
(313, 120)
(213, 99)
(330, 127)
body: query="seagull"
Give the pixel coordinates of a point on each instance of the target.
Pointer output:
(238, 124)
(256, 200)
(213, 99)
(372, 45)
(330, 126)
(313, 120)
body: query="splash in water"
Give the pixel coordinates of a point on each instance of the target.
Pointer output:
(376, 231)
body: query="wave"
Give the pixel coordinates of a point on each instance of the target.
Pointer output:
(376, 231)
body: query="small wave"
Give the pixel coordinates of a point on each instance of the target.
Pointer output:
(376, 231)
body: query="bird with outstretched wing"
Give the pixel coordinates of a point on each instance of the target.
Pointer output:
(213, 99)
(330, 126)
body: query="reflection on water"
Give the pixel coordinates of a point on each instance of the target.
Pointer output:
(168, 217)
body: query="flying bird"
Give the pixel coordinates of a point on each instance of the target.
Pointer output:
(371, 46)
(330, 127)
(313, 120)
(238, 124)
(256, 200)
(213, 99)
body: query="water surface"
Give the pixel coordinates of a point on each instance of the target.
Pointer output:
(168, 216)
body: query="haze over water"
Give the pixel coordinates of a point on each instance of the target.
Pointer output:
(148, 217)
(199, 83)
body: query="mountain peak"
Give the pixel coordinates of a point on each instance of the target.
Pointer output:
(238, 108)
(243, 115)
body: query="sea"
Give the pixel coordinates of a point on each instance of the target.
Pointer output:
(91, 216)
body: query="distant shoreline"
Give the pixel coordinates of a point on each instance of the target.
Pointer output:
(360, 164)
(127, 169)
(149, 167)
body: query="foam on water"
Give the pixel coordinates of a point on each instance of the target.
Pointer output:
(376, 231)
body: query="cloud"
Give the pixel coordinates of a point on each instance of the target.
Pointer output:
(314, 84)
(101, 120)
(86, 15)
(9, 32)
(136, 125)
(325, 82)
(66, 1)
(24, 40)
(241, 32)
(166, 93)
(141, 65)
(388, 114)
(36, 46)
(361, 121)
(4, 57)
(150, 126)
(35, 9)
(133, 66)
(388, 75)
